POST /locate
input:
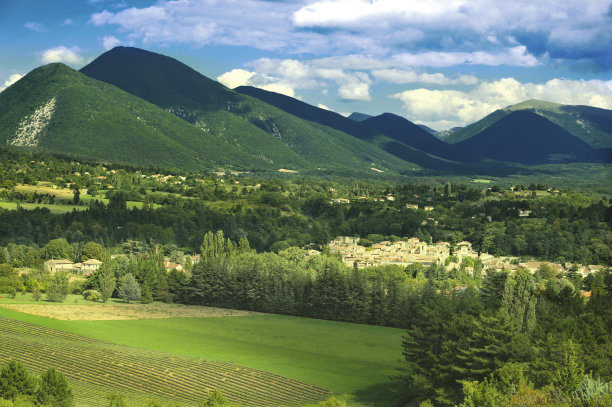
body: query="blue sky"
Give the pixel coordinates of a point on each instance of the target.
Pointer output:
(442, 63)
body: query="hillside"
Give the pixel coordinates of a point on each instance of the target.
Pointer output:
(590, 124)
(396, 143)
(408, 133)
(59, 109)
(525, 137)
(248, 122)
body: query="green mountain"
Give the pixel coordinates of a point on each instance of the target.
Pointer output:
(61, 110)
(286, 141)
(397, 143)
(526, 137)
(590, 124)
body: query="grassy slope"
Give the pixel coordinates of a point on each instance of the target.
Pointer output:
(97, 120)
(97, 368)
(347, 358)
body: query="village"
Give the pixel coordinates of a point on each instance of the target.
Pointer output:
(411, 251)
(88, 267)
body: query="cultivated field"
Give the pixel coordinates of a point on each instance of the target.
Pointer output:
(95, 368)
(345, 358)
(116, 311)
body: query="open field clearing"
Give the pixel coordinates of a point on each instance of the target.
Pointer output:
(345, 358)
(95, 368)
(108, 312)
(54, 208)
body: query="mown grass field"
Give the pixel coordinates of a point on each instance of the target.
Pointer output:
(345, 358)
(95, 368)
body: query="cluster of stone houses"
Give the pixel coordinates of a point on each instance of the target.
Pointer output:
(404, 253)
(88, 267)
(401, 253)
(170, 265)
(85, 268)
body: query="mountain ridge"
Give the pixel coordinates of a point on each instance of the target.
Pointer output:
(526, 137)
(65, 111)
(248, 120)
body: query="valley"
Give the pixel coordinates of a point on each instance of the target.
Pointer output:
(166, 241)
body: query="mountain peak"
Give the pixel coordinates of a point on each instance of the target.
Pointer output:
(527, 137)
(535, 104)
(359, 117)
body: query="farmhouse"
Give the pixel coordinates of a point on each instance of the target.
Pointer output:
(91, 265)
(58, 265)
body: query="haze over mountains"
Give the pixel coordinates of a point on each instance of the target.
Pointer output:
(136, 106)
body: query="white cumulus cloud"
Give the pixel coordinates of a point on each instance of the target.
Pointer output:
(403, 76)
(514, 56)
(286, 75)
(456, 108)
(11, 80)
(235, 78)
(110, 41)
(62, 54)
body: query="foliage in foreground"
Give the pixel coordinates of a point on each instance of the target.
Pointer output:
(512, 343)
(18, 387)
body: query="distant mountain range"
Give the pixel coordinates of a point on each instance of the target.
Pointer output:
(590, 124)
(284, 140)
(138, 107)
(526, 137)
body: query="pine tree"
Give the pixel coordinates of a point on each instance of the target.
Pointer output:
(15, 380)
(485, 350)
(54, 390)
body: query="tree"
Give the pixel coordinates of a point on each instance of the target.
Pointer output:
(92, 250)
(519, 300)
(57, 289)
(570, 373)
(107, 279)
(58, 249)
(129, 289)
(54, 390)
(15, 380)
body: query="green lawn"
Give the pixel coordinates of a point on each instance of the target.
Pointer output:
(345, 358)
(57, 209)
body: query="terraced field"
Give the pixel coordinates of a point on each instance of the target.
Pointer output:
(96, 368)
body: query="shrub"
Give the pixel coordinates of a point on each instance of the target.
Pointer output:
(91, 295)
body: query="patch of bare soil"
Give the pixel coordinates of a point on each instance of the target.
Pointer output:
(107, 312)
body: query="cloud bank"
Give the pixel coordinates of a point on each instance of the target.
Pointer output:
(448, 32)
(442, 109)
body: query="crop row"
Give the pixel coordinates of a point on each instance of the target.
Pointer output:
(101, 365)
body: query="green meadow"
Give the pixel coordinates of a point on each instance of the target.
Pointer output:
(353, 359)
